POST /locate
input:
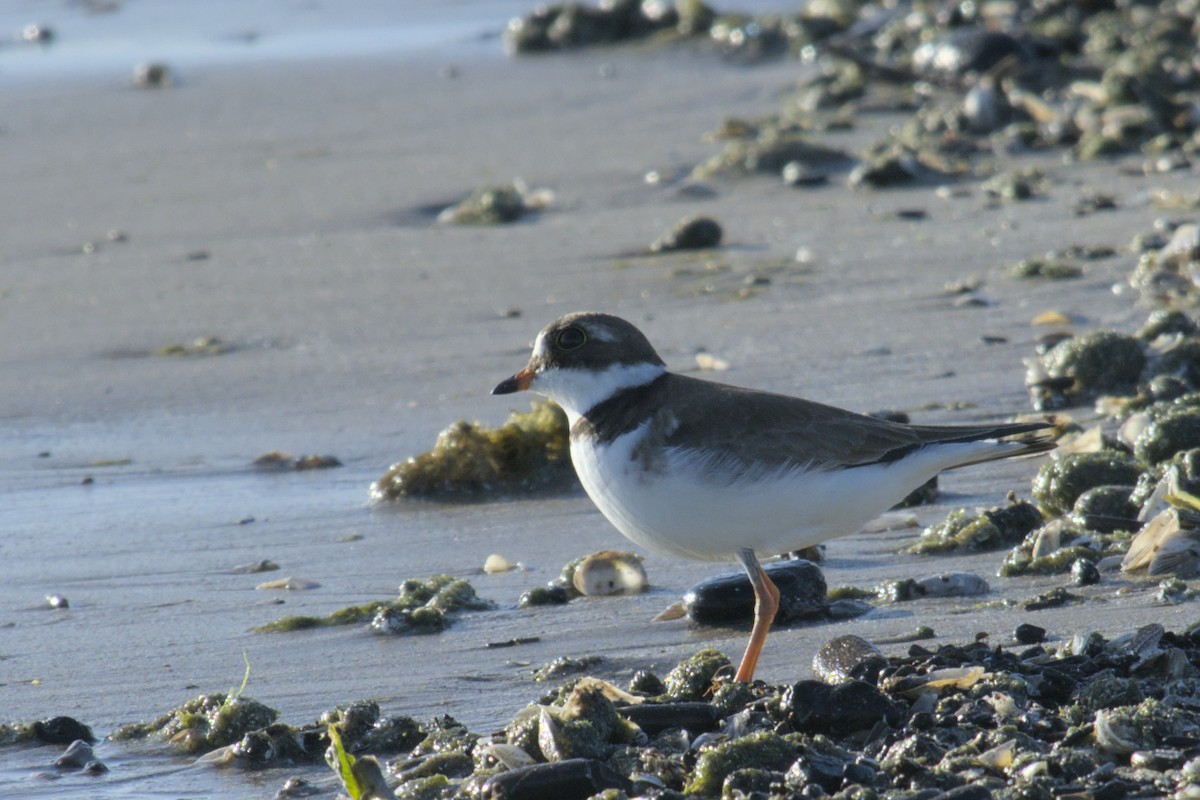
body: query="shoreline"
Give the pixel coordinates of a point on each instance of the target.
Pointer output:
(354, 336)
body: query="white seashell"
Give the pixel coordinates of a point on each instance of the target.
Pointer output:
(497, 563)
(1000, 757)
(288, 584)
(1003, 704)
(610, 572)
(1048, 539)
(1090, 441)
(708, 361)
(954, 584)
(508, 755)
(548, 735)
(1132, 428)
(1163, 547)
(1111, 735)
(892, 521)
(674, 611)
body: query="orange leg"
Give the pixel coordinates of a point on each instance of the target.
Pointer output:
(766, 603)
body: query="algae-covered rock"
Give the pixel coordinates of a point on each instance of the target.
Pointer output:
(1166, 321)
(1169, 434)
(692, 679)
(205, 722)
(769, 152)
(55, 730)
(762, 750)
(690, 233)
(528, 453)
(1060, 481)
(496, 205)
(967, 531)
(1103, 362)
(1106, 508)
(421, 607)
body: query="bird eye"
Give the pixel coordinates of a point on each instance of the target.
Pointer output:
(570, 338)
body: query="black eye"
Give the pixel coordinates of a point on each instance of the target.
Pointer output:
(570, 338)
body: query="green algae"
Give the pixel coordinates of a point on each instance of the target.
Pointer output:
(761, 750)
(530, 452)
(966, 531)
(1173, 432)
(424, 605)
(1061, 481)
(1102, 362)
(204, 723)
(693, 679)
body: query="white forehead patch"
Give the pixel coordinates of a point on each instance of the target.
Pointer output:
(598, 330)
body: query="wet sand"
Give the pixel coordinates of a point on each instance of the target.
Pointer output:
(278, 209)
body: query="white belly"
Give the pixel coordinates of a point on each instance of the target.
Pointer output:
(677, 507)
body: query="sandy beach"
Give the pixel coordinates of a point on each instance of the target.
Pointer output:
(279, 207)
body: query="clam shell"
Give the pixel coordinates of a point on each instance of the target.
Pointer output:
(610, 572)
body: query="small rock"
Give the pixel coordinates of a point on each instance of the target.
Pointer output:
(62, 730)
(570, 778)
(837, 659)
(1029, 634)
(729, 598)
(76, 756)
(690, 233)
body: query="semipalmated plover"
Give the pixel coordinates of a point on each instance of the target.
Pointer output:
(709, 471)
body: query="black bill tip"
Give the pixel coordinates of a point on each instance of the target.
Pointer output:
(507, 386)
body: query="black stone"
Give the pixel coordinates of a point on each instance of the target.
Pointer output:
(727, 599)
(1029, 634)
(572, 779)
(62, 730)
(1084, 572)
(971, 791)
(657, 717)
(815, 707)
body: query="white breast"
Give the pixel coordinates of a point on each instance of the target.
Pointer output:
(678, 507)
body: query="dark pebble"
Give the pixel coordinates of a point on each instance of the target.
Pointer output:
(692, 233)
(922, 721)
(62, 730)
(572, 779)
(729, 598)
(838, 658)
(545, 596)
(815, 707)
(77, 754)
(1084, 572)
(657, 717)
(1029, 634)
(860, 772)
(825, 770)
(971, 791)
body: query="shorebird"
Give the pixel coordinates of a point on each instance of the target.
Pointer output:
(709, 471)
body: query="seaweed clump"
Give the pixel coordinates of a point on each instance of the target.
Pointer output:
(421, 607)
(965, 531)
(1060, 482)
(530, 452)
(235, 730)
(205, 722)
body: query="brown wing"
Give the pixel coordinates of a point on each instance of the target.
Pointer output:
(772, 430)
